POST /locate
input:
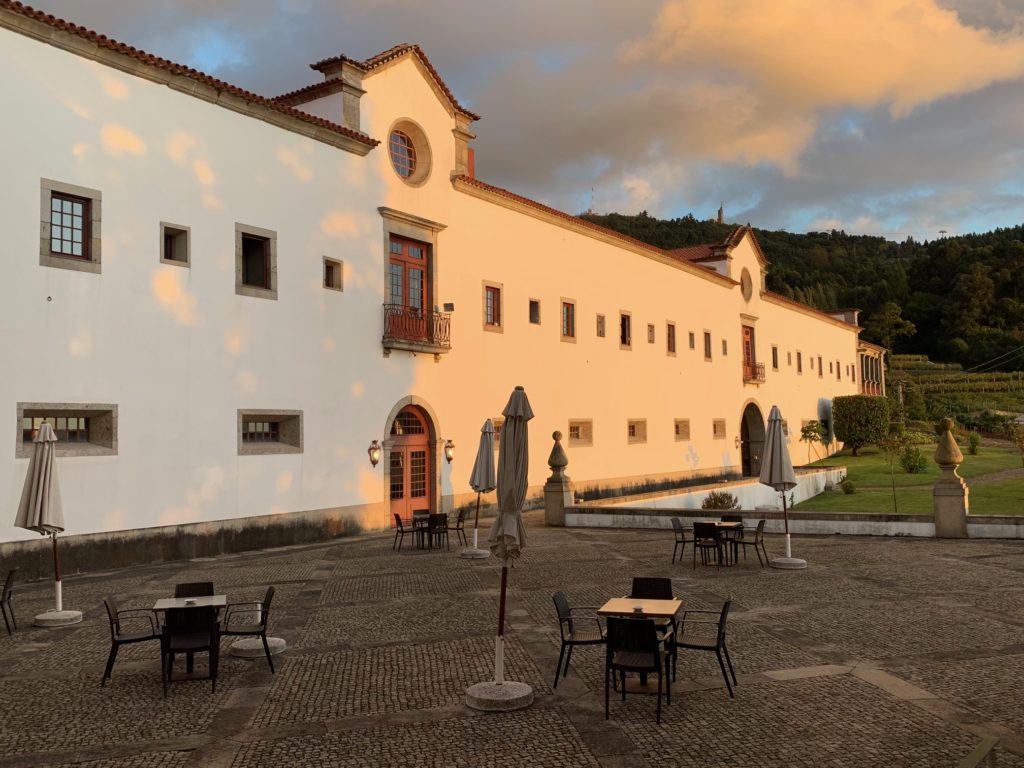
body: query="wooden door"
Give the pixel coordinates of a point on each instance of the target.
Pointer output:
(408, 287)
(410, 464)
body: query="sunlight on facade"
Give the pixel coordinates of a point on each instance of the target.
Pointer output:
(204, 173)
(179, 145)
(113, 86)
(114, 520)
(358, 390)
(78, 110)
(80, 149)
(235, 340)
(80, 345)
(328, 345)
(118, 140)
(339, 225)
(172, 296)
(284, 481)
(291, 160)
(247, 381)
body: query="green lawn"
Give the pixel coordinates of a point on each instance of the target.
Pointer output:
(870, 473)
(871, 467)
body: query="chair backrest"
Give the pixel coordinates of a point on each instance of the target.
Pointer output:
(732, 518)
(706, 531)
(461, 517)
(435, 522)
(115, 625)
(187, 620)
(194, 589)
(564, 612)
(267, 599)
(398, 522)
(722, 620)
(635, 635)
(652, 587)
(8, 585)
(677, 525)
(759, 532)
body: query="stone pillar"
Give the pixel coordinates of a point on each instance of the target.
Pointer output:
(558, 488)
(950, 494)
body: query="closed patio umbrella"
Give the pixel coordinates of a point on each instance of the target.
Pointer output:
(482, 480)
(40, 510)
(507, 539)
(777, 472)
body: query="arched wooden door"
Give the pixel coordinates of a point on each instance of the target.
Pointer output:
(410, 463)
(751, 440)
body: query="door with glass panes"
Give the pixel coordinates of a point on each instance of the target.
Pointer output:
(410, 463)
(408, 291)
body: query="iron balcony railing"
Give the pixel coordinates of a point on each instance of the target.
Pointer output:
(417, 326)
(753, 372)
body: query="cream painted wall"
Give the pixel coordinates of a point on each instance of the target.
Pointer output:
(180, 352)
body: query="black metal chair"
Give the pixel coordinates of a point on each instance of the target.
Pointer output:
(707, 539)
(655, 588)
(460, 526)
(193, 589)
(572, 634)
(254, 627)
(189, 631)
(757, 542)
(733, 537)
(680, 530)
(437, 530)
(702, 644)
(6, 606)
(420, 523)
(399, 532)
(118, 635)
(633, 645)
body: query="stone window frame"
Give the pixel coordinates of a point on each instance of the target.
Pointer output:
(499, 291)
(636, 431)
(601, 326)
(718, 430)
(534, 303)
(628, 346)
(102, 428)
(775, 357)
(254, 291)
(563, 302)
(47, 258)
(681, 430)
(708, 346)
(670, 339)
(339, 267)
(725, 347)
(181, 234)
(421, 147)
(498, 422)
(290, 431)
(650, 333)
(693, 340)
(586, 433)
(821, 368)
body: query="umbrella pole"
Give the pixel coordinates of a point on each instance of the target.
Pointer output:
(785, 518)
(476, 520)
(56, 573)
(499, 648)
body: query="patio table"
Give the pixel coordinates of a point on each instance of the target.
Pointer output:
(649, 609)
(205, 601)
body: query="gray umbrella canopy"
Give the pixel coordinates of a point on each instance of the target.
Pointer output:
(777, 467)
(482, 478)
(40, 509)
(507, 536)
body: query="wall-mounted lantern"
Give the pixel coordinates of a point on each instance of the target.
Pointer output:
(737, 441)
(449, 450)
(374, 453)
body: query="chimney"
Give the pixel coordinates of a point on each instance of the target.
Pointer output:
(465, 164)
(350, 73)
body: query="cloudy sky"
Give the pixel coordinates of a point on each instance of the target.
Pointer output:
(894, 117)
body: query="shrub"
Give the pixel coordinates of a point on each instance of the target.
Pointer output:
(860, 419)
(973, 443)
(912, 460)
(720, 500)
(848, 487)
(916, 437)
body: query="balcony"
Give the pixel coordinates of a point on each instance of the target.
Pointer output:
(753, 373)
(416, 330)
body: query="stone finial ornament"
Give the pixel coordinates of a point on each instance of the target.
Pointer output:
(558, 461)
(947, 452)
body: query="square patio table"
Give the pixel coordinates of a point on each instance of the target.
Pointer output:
(206, 601)
(651, 609)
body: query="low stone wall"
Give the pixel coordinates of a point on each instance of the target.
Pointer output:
(117, 549)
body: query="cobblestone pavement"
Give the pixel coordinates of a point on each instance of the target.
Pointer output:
(884, 652)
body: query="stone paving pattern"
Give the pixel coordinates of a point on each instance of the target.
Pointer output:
(884, 652)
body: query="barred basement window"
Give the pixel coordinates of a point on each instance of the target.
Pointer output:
(82, 429)
(69, 429)
(262, 431)
(682, 430)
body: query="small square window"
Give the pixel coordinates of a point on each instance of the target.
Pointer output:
(799, 362)
(568, 320)
(682, 430)
(670, 338)
(535, 311)
(725, 347)
(174, 244)
(775, 358)
(821, 369)
(600, 326)
(718, 429)
(255, 262)
(789, 359)
(839, 376)
(636, 431)
(693, 340)
(581, 432)
(334, 274)
(707, 345)
(650, 333)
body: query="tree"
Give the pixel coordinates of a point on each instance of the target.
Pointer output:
(1016, 433)
(860, 419)
(886, 325)
(892, 444)
(812, 432)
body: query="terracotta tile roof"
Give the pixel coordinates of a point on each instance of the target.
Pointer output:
(715, 251)
(390, 55)
(576, 220)
(701, 252)
(309, 92)
(179, 69)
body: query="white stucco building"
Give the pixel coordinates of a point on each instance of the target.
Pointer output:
(221, 300)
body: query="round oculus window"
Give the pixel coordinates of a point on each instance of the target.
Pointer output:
(403, 154)
(746, 285)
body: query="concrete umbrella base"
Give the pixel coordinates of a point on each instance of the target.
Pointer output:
(252, 647)
(789, 563)
(474, 553)
(492, 697)
(57, 618)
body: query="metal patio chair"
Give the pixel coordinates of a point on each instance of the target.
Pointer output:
(572, 633)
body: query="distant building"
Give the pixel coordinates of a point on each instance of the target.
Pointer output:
(221, 300)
